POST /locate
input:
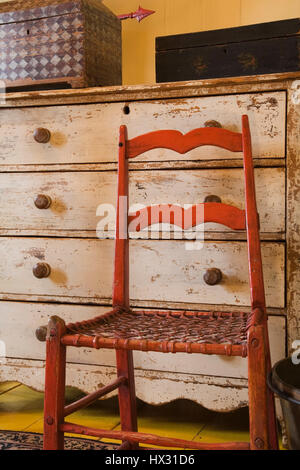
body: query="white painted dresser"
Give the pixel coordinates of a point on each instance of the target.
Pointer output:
(76, 170)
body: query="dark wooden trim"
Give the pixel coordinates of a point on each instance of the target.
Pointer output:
(35, 85)
(273, 29)
(264, 56)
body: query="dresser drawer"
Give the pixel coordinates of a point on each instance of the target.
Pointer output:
(18, 322)
(75, 197)
(161, 270)
(89, 133)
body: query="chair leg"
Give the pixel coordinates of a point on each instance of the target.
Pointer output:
(273, 434)
(257, 389)
(127, 398)
(272, 421)
(54, 386)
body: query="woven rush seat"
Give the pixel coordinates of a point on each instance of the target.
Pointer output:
(166, 331)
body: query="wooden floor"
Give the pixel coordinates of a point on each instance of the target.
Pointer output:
(21, 409)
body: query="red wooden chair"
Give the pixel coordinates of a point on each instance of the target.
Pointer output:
(235, 334)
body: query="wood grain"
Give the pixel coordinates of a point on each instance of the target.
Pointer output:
(268, 30)
(76, 196)
(183, 143)
(112, 94)
(152, 439)
(159, 378)
(245, 50)
(180, 271)
(19, 320)
(229, 60)
(293, 216)
(199, 388)
(89, 134)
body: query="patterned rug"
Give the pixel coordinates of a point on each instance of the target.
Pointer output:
(15, 440)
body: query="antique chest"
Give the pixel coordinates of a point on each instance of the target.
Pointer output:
(231, 52)
(73, 171)
(75, 43)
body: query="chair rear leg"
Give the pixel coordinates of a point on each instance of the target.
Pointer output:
(54, 386)
(273, 434)
(257, 389)
(127, 398)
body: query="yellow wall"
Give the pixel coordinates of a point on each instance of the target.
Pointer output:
(185, 16)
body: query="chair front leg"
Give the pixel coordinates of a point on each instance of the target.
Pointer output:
(127, 398)
(54, 385)
(273, 433)
(257, 389)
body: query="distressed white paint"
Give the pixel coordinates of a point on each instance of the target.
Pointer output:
(293, 218)
(89, 133)
(18, 322)
(151, 386)
(76, 196)
(295, 92)
(161, 270)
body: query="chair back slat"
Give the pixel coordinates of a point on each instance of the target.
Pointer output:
(220, 213)
(225, 214)
(183, 143)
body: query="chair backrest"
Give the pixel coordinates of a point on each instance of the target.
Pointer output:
(228, 215)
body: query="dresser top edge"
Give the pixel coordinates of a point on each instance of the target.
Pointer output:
(127, 93)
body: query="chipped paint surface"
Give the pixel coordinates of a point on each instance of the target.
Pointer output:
(180, 270)
(215, 382)
(293, 217)
(76, 196)
(248, 61)
(275, 81)
(295, 94)
(89, 133)
(151, 386)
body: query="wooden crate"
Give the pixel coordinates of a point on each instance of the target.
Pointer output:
(73, 43)
(248, 50)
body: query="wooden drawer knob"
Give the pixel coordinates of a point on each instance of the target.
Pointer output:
(41, 270)
(212, 198)
(41, 333)
(212, 123)
(42, 135)
(42, 201)
(212, 276)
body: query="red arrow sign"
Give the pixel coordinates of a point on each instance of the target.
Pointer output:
(140, 14)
